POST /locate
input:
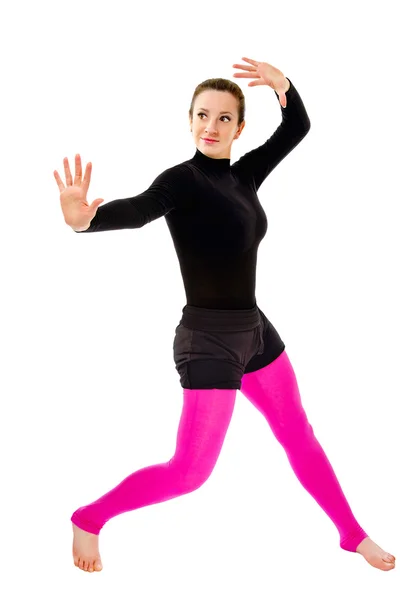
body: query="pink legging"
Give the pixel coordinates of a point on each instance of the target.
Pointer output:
(203, 425)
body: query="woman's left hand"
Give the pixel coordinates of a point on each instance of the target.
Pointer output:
(265, 74)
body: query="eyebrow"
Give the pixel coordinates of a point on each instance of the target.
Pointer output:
(223, 112)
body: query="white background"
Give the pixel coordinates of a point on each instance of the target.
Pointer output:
(89, 387)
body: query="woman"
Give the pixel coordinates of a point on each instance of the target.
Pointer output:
(223, 342)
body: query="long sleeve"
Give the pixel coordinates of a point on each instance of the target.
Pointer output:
(260, 162)
(163, 195)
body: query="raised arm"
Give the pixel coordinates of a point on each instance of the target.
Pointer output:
(260, 162)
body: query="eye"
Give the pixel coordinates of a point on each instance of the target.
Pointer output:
(223, 117)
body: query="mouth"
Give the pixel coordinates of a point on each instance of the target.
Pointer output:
(209, 141)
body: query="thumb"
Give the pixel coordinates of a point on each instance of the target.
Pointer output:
(96, 203)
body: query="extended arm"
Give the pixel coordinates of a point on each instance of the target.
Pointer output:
(131, 213)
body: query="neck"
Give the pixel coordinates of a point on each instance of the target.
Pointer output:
(211, 163)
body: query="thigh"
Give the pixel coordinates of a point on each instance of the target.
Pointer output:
(272, 347)
(274, 391)
(206, 415)
(212, 360)
(203, 425)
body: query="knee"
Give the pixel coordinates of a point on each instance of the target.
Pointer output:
(289, 434)
(191, 478)
(192, 481)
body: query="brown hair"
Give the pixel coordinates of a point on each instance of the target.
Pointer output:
(221, 85)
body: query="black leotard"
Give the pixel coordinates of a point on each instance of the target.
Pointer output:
(213, 213)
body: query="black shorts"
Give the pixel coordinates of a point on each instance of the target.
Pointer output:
(214, 348)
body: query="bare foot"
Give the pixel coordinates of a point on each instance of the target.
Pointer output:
(85, 550)
(375, 555)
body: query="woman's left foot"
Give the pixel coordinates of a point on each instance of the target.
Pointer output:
(376, 557)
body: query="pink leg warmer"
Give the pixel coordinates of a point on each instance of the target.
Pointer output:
(274, 392)
(202, 428)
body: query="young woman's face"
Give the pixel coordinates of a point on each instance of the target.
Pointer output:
(215, 116)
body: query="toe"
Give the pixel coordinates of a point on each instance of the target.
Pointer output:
(99, 566)
(389, 558)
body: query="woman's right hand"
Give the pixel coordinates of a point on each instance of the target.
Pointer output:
(77, 212)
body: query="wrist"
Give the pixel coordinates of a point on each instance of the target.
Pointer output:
(283, 83)
(287, 84)
(79, 229)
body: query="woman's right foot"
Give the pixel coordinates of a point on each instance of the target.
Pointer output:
(85, 550)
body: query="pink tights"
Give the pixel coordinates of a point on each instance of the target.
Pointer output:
(202, 428)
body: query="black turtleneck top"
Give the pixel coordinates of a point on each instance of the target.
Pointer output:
(213, 213)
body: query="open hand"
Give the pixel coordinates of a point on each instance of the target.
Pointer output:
(76, 210)
(264, 74)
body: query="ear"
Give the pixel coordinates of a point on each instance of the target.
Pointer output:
(240, 130)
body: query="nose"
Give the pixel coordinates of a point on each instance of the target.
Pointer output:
(210, 128)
